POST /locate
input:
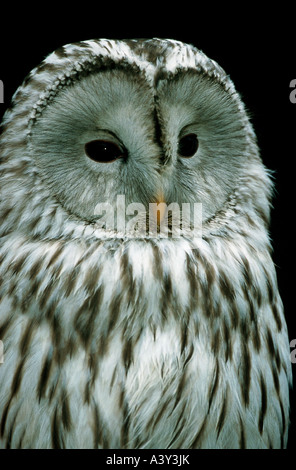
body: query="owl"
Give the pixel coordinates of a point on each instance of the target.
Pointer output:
(126, 324)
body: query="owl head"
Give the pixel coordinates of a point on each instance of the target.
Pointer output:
(148, 120)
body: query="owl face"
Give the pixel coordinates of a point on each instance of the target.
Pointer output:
(140, 130)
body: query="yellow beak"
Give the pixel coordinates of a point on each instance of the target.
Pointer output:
(160, 208)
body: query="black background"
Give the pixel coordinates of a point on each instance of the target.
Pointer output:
(255, 45)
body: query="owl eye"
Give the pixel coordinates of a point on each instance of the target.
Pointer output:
(188, 145)
(103, 151)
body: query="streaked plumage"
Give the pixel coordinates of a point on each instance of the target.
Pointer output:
(112, 341)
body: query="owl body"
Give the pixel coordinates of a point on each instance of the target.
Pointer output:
(115, 339)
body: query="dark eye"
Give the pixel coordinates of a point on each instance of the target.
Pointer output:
(103, 151)
(188, 145)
